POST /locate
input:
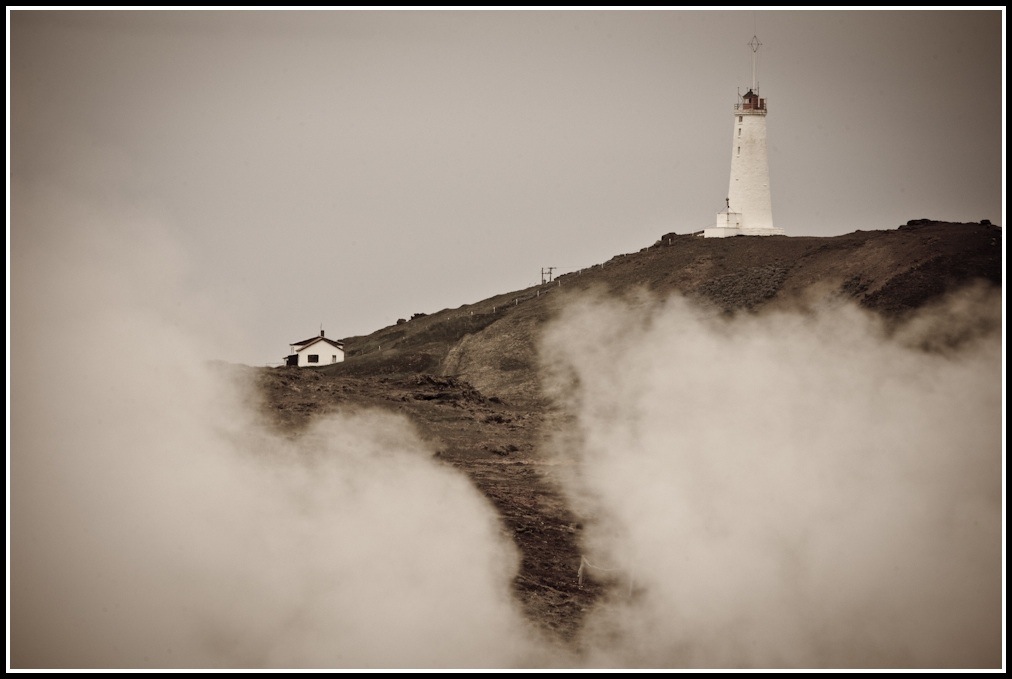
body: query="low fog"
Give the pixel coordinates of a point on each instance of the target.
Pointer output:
(783, 490)
(786, 490)
(154, 523)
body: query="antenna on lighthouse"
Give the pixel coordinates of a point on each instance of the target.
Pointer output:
(755, 45)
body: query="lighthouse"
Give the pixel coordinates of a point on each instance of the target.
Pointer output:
(748, 210)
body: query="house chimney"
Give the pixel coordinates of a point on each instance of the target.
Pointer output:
(321, 332)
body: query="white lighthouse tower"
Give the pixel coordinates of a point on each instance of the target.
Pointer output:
(748, 210)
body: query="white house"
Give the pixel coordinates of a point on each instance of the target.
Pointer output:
(315, 351)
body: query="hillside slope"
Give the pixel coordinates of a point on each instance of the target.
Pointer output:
(468, 377)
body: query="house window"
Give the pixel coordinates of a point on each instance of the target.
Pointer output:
(313, 358)
(333, 358)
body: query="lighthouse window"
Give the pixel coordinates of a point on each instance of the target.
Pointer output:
(739, 150)
(739, 131)
(739, 118)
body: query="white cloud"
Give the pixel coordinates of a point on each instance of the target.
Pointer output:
(154, 523)
(784, 490)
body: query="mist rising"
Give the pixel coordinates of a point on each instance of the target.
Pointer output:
(156, 524)
(786, 490)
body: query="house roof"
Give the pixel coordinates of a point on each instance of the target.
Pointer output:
(305, 344)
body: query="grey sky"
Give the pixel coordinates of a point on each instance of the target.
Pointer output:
(351, 167)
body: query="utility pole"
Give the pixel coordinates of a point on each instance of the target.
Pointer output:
(547, 271)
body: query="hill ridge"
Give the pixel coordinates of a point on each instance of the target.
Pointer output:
(888, 271)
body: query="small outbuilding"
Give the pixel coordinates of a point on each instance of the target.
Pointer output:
(315, 351)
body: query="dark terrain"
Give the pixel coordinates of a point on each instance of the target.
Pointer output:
(468, 377)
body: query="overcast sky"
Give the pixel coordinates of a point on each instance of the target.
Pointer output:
(351, 168)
